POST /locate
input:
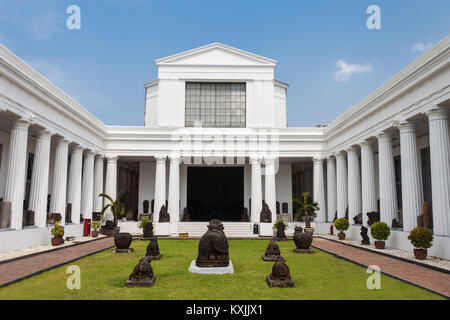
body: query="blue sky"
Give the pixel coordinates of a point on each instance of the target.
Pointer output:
(329, 57)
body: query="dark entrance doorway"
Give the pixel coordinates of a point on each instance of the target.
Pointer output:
(215, 193)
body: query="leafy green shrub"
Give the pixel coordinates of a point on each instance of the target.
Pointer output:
(144, 223)
(57, 230)
(306, 206)
(380, 231)
(341, 224)
(95, 225)
(280, 221)
(421, 238)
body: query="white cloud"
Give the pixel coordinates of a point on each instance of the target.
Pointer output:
(345, 70)
(421, 47)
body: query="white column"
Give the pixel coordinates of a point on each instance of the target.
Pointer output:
(98, 183)
(341, 177)
(388, 194)
(39, 179)
(412, 193)
(256, 193)
(87, 186)
(331, 188)
(354, 184)
(74, 182)
(440, 170)
(15, 172)
(174, 194)
(319, 190)
(369, 198)
(111, 181)
(160, 186)
(270, 187)
(59, 191)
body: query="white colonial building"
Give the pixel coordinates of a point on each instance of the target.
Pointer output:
(215, 144)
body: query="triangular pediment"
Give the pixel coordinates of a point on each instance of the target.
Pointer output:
(216, 54)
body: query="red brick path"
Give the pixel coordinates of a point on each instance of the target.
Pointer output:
(422, 276)
(27, 266)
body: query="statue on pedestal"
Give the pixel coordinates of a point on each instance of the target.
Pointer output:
(365, 238)
(281, 275)
(163, 215)
(213, 247)
(272, 251)
(266, 214)
(153, 250)
(142, 275)
(302, 241)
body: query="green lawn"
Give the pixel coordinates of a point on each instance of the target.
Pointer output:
(318, 276)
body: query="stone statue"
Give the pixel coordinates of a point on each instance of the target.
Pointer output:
(163, 215)
(142, 275)
(272, 251)
(302, 241)
(153, 250)
(186, 216)
(396, 224)
(365, 238)
(266, 214)
(109, 229)
(280, 231)
(145, 206)
(213, 247)
(373, 217)
(280, 276)
(358, 218)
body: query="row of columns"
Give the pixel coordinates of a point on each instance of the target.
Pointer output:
(350, 187)
(77, 187)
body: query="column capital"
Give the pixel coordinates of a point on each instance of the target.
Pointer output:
(160, 159)
(340, 155)
(174, 158)
(255, 160)
(351, 149)
(45, 134)
(112, 159)
(407, 127)
(437, 114)
(62, 142)
(21, 123)
(366, 144)
(384, 137)
(270, 160)
(318, 160)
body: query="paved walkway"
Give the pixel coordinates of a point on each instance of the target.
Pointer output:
(27, 266)
(410, 272)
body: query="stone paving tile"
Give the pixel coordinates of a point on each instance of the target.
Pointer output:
(17, 269)
(422, 276)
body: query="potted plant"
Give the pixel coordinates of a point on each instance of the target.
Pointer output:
(341, 224)
(147, 226)
(57, 232)
(116, 206)
(122, 212)
(280, 225)
(380, 231)
(421, 238)
(95, 225)
(306, 210)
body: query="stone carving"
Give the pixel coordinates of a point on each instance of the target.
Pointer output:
(123, 241)
(142, 275)
(153, 250)
(358, 218)
(145, 205)
(272, 251)
(28, 218)
(163, 215)
(284, 207)
(130, 215)
(285, 217)
(280, 231)
(302, 241)
(280, 276)
(373, 217)
(266, 214)
(245, 217)
(53, 217)
(213, 247)
(278, 207)
(396, 224)
(365, 238)
(186, 216)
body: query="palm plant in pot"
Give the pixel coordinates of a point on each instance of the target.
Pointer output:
(147, 227)
(306, 210)
(421, 238)
(57, 232)
(117, 207)
(95, 225)
(341, 224)
(380, 231)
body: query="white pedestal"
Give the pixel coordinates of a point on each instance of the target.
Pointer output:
(219, 270)
(162, 228)
(266, 229)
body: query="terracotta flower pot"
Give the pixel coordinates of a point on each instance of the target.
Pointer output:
(379, 244)
(420, 254)
(341, 236)
(56, 241)
(94, 234)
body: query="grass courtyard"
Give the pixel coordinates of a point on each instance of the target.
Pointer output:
(318, 276)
